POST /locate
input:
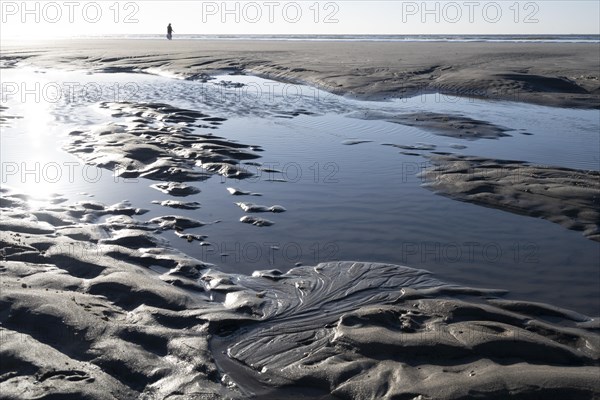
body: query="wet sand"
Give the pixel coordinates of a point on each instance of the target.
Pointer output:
(564, 196)
(96, 304)
(85, 315)
(554, 74)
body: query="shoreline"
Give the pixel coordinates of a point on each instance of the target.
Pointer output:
(539, 73)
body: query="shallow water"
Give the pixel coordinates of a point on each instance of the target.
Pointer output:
(344, 202)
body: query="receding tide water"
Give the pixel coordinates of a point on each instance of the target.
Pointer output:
(347, 196)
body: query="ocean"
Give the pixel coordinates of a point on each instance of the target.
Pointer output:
(376, 38)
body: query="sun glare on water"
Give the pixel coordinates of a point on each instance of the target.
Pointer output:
(31, 167)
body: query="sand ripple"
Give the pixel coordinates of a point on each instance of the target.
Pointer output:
(111, 311)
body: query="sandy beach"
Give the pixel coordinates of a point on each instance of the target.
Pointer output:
(104, 299)
(563, 74)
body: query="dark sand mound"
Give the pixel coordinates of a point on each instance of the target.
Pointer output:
(256, 221)
(537, 83)
(176, 189)
(184, 205)
(257, 208)
(84, 315)
(565, 196)
(456, 126)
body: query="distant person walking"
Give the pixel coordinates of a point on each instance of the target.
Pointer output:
(170, 32)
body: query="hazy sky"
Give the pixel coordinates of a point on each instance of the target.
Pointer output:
(60, 18)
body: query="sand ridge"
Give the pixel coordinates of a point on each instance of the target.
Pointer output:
(564, 196)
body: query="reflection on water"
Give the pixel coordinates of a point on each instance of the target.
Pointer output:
(353, 202)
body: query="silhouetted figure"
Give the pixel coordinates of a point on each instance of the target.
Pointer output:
(170, 32)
